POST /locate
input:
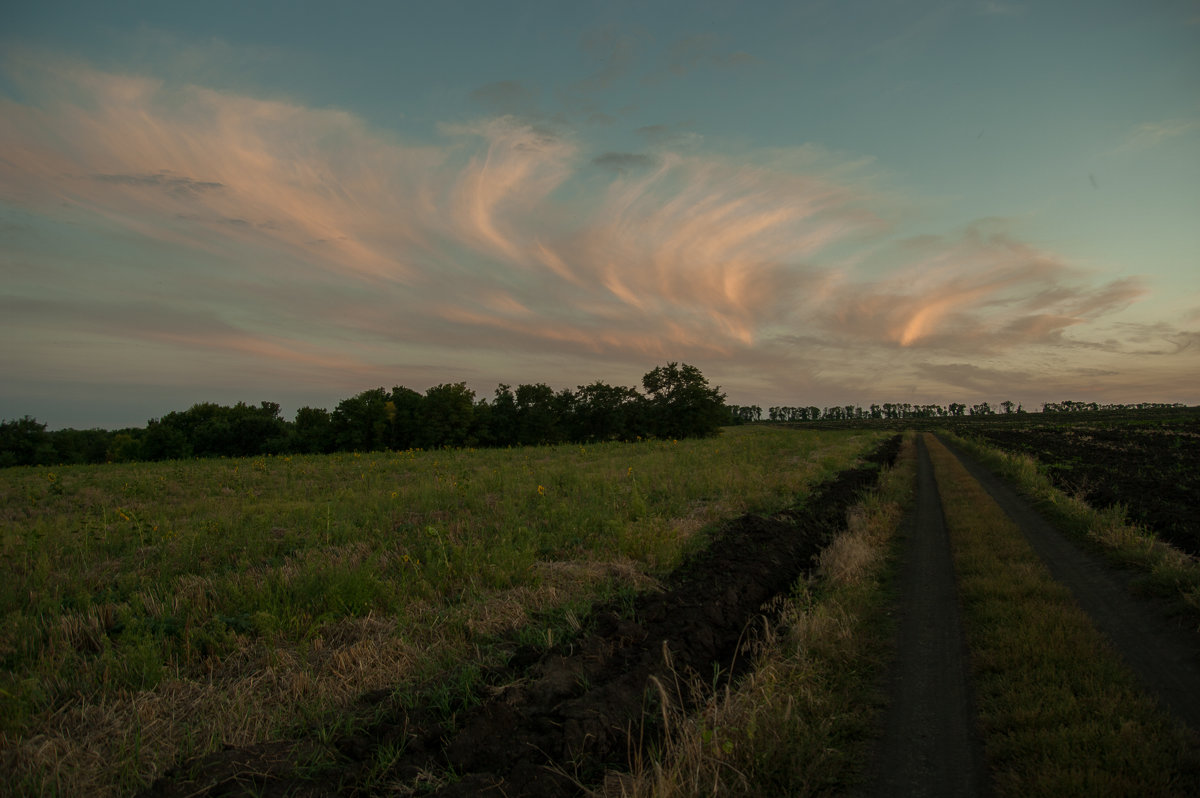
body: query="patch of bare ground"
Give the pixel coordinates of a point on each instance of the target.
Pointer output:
(556, 723)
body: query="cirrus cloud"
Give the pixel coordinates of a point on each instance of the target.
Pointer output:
(301, 233)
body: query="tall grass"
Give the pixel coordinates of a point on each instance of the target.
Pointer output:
(801, 722)
(152, 611)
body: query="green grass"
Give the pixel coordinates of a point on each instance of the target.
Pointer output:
(152, 611)
(1060, 714)
(1166, 571)
(801, 723)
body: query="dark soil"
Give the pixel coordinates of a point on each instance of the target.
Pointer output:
(559, 721)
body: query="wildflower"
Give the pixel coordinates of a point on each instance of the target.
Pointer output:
(541, 490)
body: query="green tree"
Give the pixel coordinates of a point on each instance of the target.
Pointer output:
(24, 441)
(165, 439)
(541, 414)
(80, 445)
(604, 413)
(404, 416)
(360, 423)
(446, 416)
(682, 404)
(503, 417)
(313, 431)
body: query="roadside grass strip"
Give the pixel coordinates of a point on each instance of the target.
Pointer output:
(801, 722)
(1167, 571)
(152, 612)
(1060, 714)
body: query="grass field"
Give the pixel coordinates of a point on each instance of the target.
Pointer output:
(156, 611)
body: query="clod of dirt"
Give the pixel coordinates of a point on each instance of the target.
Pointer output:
(574, 714)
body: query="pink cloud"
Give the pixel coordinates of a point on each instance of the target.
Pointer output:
(320, 236)
(978, 291)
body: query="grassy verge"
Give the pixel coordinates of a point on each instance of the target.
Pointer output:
(1167, 571)
(800, 723)
(1060, 714)
(153, 611)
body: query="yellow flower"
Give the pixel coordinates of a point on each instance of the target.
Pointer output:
(541, 491)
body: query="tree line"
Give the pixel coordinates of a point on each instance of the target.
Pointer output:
(741, 414)
(676, 401)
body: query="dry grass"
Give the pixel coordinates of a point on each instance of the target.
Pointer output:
(318, 579)
(799, 722)
(240, 703)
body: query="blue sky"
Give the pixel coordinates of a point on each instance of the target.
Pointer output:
(815, 203)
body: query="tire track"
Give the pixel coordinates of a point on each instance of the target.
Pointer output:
(1164, 654)
(930, 744)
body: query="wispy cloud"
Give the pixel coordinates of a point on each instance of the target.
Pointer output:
(622, 162)
(675, 137)
(507, 97)
(303, 237)
(979, 292)
(696, 51)
(1152, 134)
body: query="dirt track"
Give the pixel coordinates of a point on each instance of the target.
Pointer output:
(929, 745)
(1163, 653)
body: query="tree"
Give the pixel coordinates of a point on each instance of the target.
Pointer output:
(165, 440)
(360, 423)
(313, 431)
(681, 403)
(502, 421)
(539, 413)
(404, 416)
(80, 445)
(24, 442)
(603, 412)
(446, 416)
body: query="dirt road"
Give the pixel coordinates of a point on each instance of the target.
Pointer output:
(1163, 653)
(930, 746)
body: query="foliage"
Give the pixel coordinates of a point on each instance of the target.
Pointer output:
(679, 404)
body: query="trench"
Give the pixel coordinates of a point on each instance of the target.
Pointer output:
(556, 722)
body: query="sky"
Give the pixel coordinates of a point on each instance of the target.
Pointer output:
(815, 203)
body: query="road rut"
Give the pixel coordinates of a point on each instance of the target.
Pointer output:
(930, 745)
(1163, 653)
